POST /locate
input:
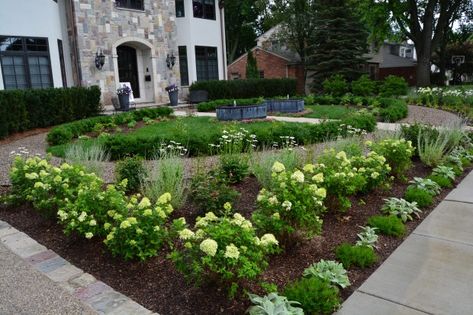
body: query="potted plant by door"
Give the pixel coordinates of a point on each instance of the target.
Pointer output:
(173, 92)
(123, 94)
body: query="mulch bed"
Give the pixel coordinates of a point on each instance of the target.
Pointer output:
(158, 286)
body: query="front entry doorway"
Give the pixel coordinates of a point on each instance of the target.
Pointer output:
(128, 68)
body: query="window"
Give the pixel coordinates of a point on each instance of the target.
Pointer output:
(25, 62)
(61, 60)
(183, 65)
(204, 9)
(261, 74)
(130, 4)
(180, 11)
(206, 62)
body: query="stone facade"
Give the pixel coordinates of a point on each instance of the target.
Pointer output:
(102, 25)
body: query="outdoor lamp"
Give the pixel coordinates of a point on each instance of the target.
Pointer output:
(170, 60)
(99, 59)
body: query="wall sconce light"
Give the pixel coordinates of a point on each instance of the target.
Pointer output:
(170, 61)
(99, 59)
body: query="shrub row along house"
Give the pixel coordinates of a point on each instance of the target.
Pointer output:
(148, 43)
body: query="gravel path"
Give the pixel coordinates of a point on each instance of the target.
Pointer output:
(430, 116)
(36, 144)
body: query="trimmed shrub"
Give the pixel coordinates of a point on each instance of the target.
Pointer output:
(246, 88)
(443, 182)
(364, 86)
(65, 133)
(393, 109)
(387, 225)
(351, 255)
(393, 86)
(133, 170)
(336, 85)
(316, 296)
(22, 110)
(422, 197)
(212, 105)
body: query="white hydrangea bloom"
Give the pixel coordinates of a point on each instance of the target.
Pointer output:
(232, 251)
(209, 247)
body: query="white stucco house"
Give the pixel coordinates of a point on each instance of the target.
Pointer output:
(149, 43)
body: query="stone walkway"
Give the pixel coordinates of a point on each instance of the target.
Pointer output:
(35, 280)
(431, 272)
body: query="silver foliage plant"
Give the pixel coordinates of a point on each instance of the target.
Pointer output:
(401, 208)
(329, 270)
(273, 304)
(426, 184)
(367, 237)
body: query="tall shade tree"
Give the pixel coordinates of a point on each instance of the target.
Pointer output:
(339, 42)
(297, 21)
(425, 22)
(242, 25)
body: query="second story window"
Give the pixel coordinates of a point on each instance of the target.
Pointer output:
(130, 4)
(204, 9)
(180, 12)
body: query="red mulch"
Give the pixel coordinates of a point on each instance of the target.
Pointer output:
(158, 286)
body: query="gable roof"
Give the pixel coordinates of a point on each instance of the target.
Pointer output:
(262, 49)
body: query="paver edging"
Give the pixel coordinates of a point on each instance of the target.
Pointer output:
(94, 293)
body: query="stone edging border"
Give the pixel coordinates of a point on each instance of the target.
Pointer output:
(83, 286)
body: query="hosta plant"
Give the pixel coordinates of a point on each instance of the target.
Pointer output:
(329, 270)
(293, 203)
(444, 171)
(426, 184)
(401, 208)
(367, 237)
(140, 232)
(224, 249)
(273, 304)
(398, 153)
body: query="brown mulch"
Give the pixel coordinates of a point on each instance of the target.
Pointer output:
(20, 135)
(157, 285)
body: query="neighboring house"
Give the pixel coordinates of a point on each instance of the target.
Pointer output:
(274, 60)
(393, 59)
(55, 43)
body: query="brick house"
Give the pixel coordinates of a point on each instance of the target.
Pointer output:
(274, 61)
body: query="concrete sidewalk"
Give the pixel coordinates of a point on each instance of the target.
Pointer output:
(431, 272)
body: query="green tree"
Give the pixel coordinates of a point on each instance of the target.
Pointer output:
(425, 22)
(339, 42)
(251, 66)
(243, 25)
(297, 22)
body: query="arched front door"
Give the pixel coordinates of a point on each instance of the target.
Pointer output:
(128, 68)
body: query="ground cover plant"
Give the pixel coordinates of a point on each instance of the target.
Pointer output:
(225, 254)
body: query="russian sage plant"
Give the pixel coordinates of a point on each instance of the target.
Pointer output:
(91, 158)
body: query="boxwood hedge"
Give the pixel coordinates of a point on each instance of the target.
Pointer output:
(22, 110)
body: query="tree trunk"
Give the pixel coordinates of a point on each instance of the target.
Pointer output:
(423, 69)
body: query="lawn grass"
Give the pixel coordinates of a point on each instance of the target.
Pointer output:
(328, 111)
